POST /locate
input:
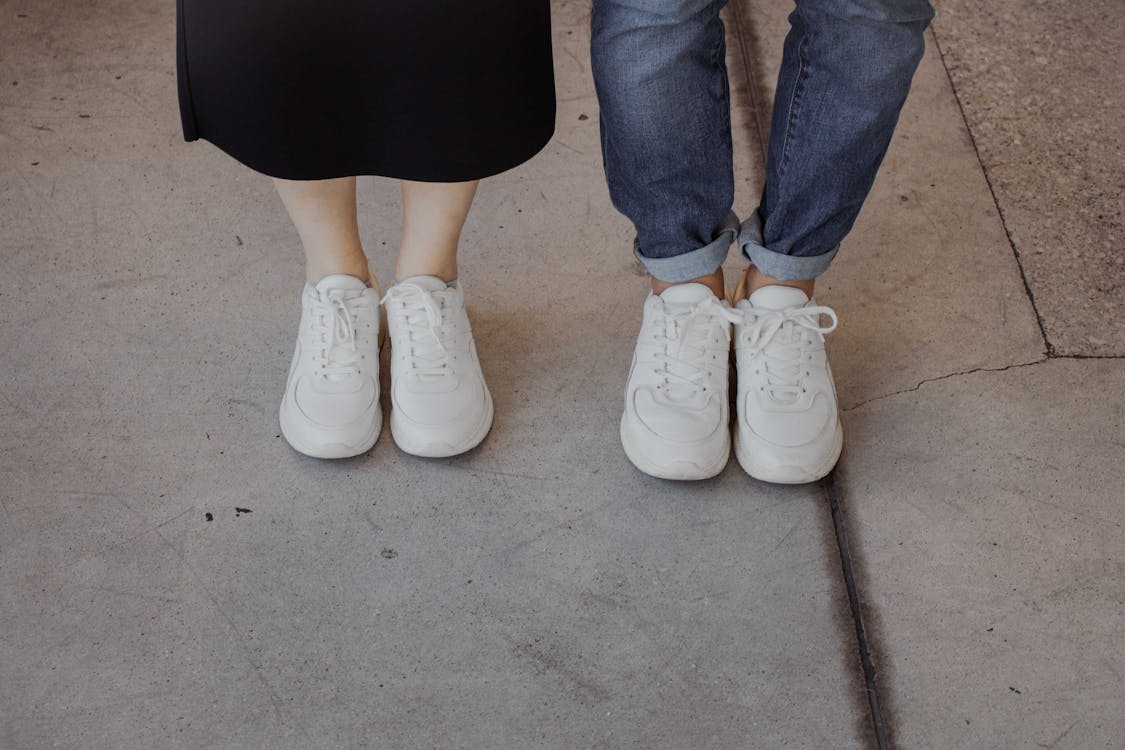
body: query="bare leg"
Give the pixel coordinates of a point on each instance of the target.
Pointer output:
(752, 279)
(324, 213)
(433, 214)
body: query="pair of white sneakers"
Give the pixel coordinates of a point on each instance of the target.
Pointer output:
(676, 423)
(440, 404)
(676, 419)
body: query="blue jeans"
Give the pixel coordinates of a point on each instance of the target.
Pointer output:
(660, 72)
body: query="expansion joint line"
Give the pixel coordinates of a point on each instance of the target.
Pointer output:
(995, 199)
(828, 484)
(870, 673)
(757, 101)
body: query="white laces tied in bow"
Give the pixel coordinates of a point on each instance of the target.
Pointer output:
(339, 353)
(784, 333)
(424, 315)
(691, 331)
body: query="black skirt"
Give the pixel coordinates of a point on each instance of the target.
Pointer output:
(430, 90)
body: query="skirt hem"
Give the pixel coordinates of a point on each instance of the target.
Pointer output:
(360, 168)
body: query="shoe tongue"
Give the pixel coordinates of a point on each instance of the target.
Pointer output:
(686, 294)
(429, 283)
(339, 281)
(778, 297)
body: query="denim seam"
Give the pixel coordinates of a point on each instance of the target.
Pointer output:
(798, 87)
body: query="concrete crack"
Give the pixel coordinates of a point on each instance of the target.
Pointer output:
(959, 373)
(1087, 356)
(946, 377)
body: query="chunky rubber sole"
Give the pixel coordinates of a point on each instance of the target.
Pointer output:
(788, 473)
(330, 449)
(439, 449)
(680, 471)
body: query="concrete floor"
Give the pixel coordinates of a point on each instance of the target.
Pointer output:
(538, 591)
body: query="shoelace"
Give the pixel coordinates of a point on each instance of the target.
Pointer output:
(690, 331)
(336, 330)
(424, 316)
(780, 336)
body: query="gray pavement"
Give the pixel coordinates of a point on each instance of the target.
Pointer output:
(538, 591)
(1041, 89)
(987, 509)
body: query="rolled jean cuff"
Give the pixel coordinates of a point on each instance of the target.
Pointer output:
(775, 264)
(702, 261)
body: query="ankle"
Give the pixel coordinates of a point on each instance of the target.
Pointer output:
(315, 272)
(713, 281)
(753, 280)
(445, 272)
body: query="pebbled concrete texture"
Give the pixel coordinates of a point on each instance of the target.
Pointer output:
(1042, 88)
(537, 592)
(987, 512)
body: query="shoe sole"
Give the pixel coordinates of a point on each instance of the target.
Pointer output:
(680, 471)
(788, 473)
(333, 450)
(439, 449)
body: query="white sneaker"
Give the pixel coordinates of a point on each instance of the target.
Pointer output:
(788, 428)
(676, 423)
(331, 403)
(440, 405)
